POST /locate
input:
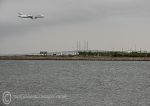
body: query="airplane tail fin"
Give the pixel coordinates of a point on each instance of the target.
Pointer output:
(39, 16)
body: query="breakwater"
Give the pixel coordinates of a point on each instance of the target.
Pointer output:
(86, 58)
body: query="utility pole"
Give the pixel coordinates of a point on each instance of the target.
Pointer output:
(135, 47)
(79, 45)
(87, 45)
(84, 45)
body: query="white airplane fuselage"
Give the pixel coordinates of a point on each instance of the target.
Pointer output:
(30, 16)
(25, 16)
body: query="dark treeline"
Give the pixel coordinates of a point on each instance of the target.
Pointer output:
(115, 54)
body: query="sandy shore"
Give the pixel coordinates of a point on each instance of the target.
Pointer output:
(75, 58)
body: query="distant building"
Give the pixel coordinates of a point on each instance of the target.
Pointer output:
(43, 53)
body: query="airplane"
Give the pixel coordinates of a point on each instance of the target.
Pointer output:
(30, 16)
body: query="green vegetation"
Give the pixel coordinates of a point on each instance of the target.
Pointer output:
(115, 54)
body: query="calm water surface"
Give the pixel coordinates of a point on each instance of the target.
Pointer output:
(83, 83)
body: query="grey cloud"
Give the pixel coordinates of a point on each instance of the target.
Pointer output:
(68, 12)
(9, 29)
(14, 29)
(1, 2)
(72, 11)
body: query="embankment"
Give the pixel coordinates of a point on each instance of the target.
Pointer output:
(86, 58)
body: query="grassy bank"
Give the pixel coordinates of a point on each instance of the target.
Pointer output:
(115, 54)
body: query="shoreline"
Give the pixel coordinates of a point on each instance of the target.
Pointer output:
(75, 58)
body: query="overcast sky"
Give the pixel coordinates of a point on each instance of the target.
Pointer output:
(106, 24)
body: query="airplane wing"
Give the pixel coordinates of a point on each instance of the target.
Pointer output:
(30, 16)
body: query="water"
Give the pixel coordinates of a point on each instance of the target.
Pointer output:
(82, 83)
